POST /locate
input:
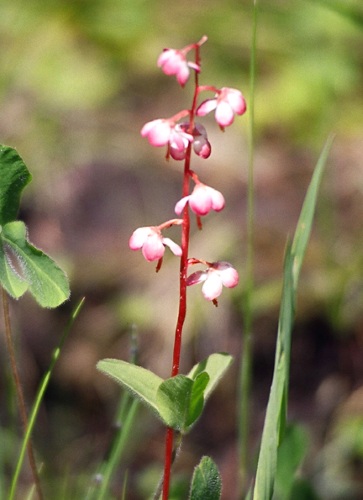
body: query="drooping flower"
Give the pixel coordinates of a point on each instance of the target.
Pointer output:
(161, 132)
(201, 145)
(202, 200)
(226, 103)
(174, 62)
(217, 275)
(198, 138)
(179, 142)
(152, 243)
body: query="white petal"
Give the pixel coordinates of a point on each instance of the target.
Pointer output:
(173, 246)
(212, 287)
(179, 207)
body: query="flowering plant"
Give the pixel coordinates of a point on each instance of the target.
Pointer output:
(179, 400)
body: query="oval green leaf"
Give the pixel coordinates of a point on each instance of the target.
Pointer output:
(206, 481)
(141, 383)
(14, 176)
(47, 282)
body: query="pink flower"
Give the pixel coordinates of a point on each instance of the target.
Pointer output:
(179, 141)
(174, 62)
(227, 103)
(201, 145)
(199, 139)
(152, 243)
(162, 131)
(217, 275)
(202, 200)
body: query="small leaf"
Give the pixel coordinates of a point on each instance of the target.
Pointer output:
(14, 176)
(206, 482)
(197, 398)
(141, 383)
(215, 366)
(10, 280)
(180, 400)
(173, 400)
(47, 282)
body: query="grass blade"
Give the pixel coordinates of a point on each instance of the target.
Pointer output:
(277, 405)
(39, 397)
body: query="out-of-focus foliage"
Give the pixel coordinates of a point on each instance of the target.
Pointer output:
(64, 61)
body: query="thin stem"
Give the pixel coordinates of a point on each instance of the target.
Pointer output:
(19, 391)
(169, 438)
(246, 362)
(39, 397)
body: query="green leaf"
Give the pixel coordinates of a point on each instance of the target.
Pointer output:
(47, 282)
(197, 398)
(180, 400)
(305, 222)
(206, 481)
(275, 420)
(10, 280)
(275, 413)
(141, 383)
(215, 366)
(173, 399)
(14, 176)
(292, 452)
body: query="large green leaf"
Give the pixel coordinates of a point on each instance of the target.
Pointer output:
(141, 383)
(206, 481)
(14, 176)
(47, 282)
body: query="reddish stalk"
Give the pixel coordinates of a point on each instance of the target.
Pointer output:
(169, 439)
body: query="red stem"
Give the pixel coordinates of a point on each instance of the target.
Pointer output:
(182, 283)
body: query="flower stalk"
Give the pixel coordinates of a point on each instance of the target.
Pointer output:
(181, 139)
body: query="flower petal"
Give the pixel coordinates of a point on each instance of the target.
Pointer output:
(153, 248)
(173, 246)
(138, 237)
(218, 200)
(157, 132)
(212, 287)
(206, 107)
(200, 200)
(179, 207)
(183, 74)
(224, 114)
(229, 277)
(197, 277)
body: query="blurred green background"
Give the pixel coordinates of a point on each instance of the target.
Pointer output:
(78, 80)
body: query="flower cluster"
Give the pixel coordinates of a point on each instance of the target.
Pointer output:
(181, 135)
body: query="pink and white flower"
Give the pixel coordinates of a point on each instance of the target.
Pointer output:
(161, 132)
(174, 62)
(226, 103)
(201, 145)
(217, 275)
(202, 200)
(152, 243)
(198, 138)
